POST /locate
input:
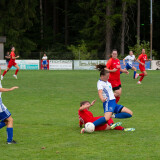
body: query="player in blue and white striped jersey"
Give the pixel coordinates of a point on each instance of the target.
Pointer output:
(5, 116)
(129, 65)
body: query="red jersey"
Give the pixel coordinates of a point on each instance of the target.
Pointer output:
(12, 55)
(111, 64)
(85, 116)
(142, 58)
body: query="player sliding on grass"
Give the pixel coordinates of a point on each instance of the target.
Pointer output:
(141, 60)
(129, 65)
(86, 116)
(11, 63)
(114, 67)
(5, 116)
(106, 95)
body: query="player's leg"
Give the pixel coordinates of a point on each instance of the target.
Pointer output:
(135, 75)
(15, 75)
(117, 93)
(9, 121)
(122, 112)
(5, 71)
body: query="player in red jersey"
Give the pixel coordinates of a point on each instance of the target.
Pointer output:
(86, 116)
(114, 67)
(11, 63)
(141, 60)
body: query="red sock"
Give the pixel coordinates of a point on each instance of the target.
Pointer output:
(4, 72)
(142, 74)
(119, 128)
(110, 121)
(80, 123)
(141, 78)
(16, 71)
(117, 99)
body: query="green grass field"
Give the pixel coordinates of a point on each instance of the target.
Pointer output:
(45, 112)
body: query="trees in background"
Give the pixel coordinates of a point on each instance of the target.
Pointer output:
(61, 27)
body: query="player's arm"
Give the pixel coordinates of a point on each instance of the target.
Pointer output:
(85, 106)
(8, 89)
(15, 57)
(124, 71)
(140, 62)
(148, 60)
(7, 57)
(124, 62)
(101, 96)
(108, 65)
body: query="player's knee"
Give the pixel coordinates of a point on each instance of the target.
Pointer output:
(131, 113)
(10, 120)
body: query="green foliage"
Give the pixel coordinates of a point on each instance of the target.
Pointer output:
(81, 52)
(137, 48)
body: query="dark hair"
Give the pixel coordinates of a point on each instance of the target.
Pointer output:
(114, 50)
(101, 68)
(83, 102)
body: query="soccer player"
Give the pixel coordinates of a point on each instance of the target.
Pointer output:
(129, 65)
(141, 60)
(107, 97)
(44, 63)
(5, 116)
(114, 67)
(12, 62)
(86, 116)
(7, 58)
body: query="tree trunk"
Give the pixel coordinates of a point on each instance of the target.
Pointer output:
(108, 30)
(54, 19)
(138, 21)
(66, 22)
(41, 19)
(123, 27)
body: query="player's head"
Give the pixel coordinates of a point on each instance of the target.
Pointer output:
(143, 51)
(84, 103)
(114, 54)
(13, 49)
(104, 74)
(44, 55)
(130, 53)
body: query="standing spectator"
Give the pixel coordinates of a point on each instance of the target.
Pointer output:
(7, 58)
(44, 63)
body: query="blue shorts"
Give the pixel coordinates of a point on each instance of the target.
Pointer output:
(111, 106)
(44, 62)
(4, 115)
(128, 66)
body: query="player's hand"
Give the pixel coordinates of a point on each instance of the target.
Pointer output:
(14, 87)
(104, 99)
(114, 70)
(124, 64)
(142, 64)
(150, 59)
(118, 66)
(17, 56)
(127, 72)
(93, 102)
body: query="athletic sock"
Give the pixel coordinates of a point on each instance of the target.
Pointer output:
(16, 71)
(142, 74)
(9, 134)
(117, 99)
(99, 121)
(141, 78)
(4, 72)
(2, 124)
(119, 128)
(134, 74)
(110, 122)
(123, 115)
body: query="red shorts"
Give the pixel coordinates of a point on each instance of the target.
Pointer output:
(115, 82)
(10, 64)
(142, 68)
(100, 127)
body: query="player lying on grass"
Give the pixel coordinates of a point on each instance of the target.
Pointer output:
(5, 116)
(86, 116)
(108, 99)
(129, 65)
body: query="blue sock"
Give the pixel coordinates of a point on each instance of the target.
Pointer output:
(123, 115)
(9, 134)
(121, 72)
(100, 121)
(2, 124)
(134, 74)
